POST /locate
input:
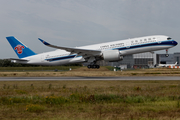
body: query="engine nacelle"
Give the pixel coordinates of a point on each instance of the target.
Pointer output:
(112, 55)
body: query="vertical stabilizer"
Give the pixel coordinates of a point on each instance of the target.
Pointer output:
(20, 49)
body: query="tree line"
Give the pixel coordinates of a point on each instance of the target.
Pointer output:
(8, 63)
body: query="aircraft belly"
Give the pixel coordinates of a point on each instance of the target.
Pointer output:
(144, 49)
(138, 50)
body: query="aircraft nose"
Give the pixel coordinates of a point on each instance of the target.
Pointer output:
(174, 43)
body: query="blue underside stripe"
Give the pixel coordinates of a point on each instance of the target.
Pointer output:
(61, 58)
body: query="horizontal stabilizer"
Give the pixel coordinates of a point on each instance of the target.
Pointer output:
(14, 60)
(17, 59)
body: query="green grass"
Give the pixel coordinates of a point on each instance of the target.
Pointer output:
(92, 100)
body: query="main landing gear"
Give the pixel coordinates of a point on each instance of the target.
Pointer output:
(167, 55)
(93, 66)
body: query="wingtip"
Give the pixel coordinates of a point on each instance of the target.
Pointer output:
(40, 40)
(44, 42)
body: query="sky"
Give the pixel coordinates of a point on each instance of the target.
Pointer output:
(72, 23)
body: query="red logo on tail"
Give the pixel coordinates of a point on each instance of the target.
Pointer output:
(19, 49)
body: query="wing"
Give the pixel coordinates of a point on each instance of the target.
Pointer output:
(82, 52)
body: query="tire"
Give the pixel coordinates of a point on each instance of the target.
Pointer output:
(89, 66)
(97, 66)
(167, 55)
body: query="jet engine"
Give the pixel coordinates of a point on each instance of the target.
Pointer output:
(112, 55)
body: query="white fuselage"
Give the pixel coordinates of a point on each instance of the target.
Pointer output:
(125, 47)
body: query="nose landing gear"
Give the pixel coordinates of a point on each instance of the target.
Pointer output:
(167, 55)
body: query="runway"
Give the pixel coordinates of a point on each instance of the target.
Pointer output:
(89, 78)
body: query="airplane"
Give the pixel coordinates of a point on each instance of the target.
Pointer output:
(109, 51)
(166, 65)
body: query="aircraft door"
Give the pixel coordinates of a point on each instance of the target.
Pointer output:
(158, 40)
(128, 44)
(42, 58)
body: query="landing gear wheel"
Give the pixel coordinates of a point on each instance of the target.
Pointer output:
(89, 66)
(98, 67)
(93, 66)
(167, 55)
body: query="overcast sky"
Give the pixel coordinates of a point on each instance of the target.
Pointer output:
(82, 22)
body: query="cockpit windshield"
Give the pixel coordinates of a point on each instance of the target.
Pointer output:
(169, 38)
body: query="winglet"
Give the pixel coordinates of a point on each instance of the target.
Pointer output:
(44, 42)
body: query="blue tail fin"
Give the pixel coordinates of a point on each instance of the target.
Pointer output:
(20, 49)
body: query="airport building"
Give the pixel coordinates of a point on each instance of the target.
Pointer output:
(162, 59)
(177, 58)
(141, 60)
(144, 60)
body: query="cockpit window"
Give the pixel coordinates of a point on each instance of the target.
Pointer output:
(169, 38)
